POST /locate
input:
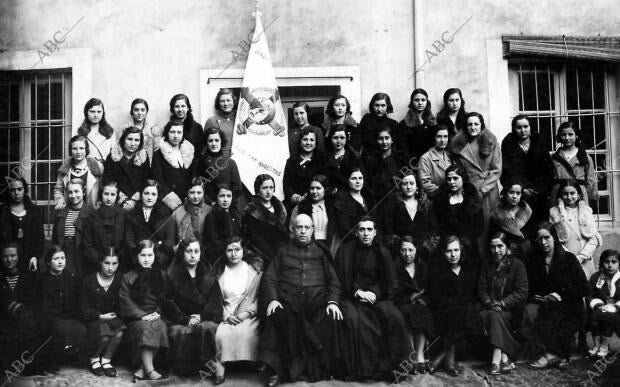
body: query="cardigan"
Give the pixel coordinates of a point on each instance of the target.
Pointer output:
(57, 295)
(95, 301)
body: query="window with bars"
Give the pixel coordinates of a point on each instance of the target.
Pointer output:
(35, 127)
(551, 93)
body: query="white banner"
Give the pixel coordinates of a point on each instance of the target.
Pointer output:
(260, 139)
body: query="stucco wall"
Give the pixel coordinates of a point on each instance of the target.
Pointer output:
(464, 62)
(156, 49)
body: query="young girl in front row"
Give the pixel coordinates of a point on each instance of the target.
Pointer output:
(604, 302)
(99, 305)
(576, 225)
(141, 297)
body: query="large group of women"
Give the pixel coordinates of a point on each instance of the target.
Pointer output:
(157, 246)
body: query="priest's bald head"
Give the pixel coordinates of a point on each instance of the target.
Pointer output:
(303, 229)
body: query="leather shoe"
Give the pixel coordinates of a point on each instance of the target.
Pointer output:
(273, 381)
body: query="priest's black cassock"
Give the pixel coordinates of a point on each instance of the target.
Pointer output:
(301, 338)
(375, 335)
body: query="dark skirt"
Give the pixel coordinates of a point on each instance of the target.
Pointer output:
(192, 346)
(498, 327)
(99, 330)
(302, 338)
(151, 334)
(604, 324)
(455, 322)
(554, 328)
(375, 338)
(72, 265)
(19, 334)
(418, 318)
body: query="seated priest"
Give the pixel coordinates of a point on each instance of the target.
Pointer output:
(300, 294)
(375, 336)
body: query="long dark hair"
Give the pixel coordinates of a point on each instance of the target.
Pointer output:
(582, 156)
(104, 128)
(427, 114)
(148, 280)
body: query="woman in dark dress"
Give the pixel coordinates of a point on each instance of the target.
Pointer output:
(458, 209)
(70, 226)
(376, 119)
(104, 227)
(19, 331)
(181, 110)
(452, 114)
(173, 164)
(351, 204)
(57, 296)
(525, 157)
(128, 166)
(22, 221)
(214, 167)
(604, 303)
(411, 213)
(100, 310)
(502, 289)
(150, 219)
(193, 308)
(222, 223)
(414, 134)
(141, 297)
(264, 219)
(383, 164)
(340, 157)
(412, 300)
(452, 293)
(299, 169)
(558, 285)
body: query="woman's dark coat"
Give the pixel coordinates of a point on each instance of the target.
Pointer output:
(184, 297)
(130, 177)
(220, 226)
(348, 212)
(34, 236)
(159, 228)
(265, 230)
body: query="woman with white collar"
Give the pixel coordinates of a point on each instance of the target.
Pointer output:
(173, 164)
